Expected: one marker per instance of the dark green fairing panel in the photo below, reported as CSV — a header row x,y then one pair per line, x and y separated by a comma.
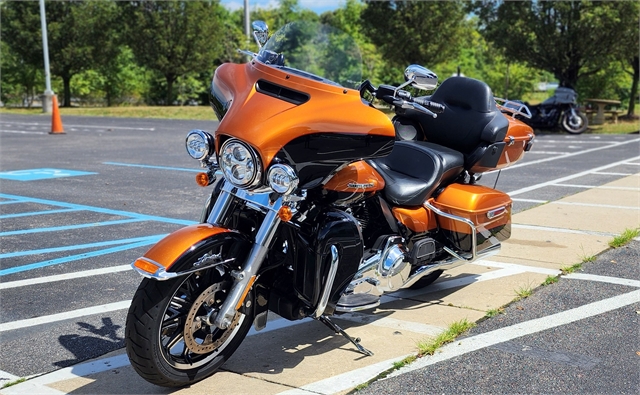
x,y
315,156
311,267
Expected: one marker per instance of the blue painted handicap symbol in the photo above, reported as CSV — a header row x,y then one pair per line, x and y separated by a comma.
x,y
40,174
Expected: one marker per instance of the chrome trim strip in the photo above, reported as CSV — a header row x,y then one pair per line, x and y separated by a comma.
x,y
343,309
474,247
333,269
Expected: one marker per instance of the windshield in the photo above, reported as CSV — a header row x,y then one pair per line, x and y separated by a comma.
x,y
315,51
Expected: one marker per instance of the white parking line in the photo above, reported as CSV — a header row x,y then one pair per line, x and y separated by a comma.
x,y
477,342
567,178
570,155
64,277
76,126
603,279
530,200
562,230
597,187
603,173
21,132
48,319
596,205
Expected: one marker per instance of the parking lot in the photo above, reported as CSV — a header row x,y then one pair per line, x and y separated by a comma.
x,y
77,208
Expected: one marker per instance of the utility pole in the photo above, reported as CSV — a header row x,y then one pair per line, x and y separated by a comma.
x,y
48,93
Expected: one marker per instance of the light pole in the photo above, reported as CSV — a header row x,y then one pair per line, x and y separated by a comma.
x,y
48,93
246,19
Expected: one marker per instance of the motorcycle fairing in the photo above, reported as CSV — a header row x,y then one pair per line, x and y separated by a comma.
x,y
160,258
283,120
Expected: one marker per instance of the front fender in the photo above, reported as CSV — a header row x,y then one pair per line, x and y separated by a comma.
x,y
163,260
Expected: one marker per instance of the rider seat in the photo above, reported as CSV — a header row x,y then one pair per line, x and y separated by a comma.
x,y
415,169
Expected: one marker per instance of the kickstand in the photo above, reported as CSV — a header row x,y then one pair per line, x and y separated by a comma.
x,y
356,342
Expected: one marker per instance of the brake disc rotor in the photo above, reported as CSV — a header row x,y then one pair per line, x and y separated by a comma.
x,y
199,336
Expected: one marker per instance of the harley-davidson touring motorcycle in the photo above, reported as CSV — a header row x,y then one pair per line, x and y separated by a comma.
x,y
320,202
560,109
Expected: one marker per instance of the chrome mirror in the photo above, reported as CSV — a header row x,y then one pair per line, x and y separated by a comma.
x,y
260,32
420,77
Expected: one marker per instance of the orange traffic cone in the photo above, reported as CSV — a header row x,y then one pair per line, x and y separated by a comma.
x,y
56,122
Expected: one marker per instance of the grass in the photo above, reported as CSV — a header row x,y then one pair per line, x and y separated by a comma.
x,y
457,328
494,312
9,384
571,269
166,112
624,238
622,127
550,280
524,292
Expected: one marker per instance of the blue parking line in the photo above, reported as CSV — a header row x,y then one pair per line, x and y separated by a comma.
x,y
72,258
69,227
64,210
141,217
11,202
154,239
152,167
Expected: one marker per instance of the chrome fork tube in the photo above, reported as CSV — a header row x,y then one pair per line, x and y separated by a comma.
x,y
245,277
221,205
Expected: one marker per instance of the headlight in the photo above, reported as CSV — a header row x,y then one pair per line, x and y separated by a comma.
x,y
199,144
240,164
282,179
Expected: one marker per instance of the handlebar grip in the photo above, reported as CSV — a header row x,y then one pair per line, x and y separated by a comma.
x,y
433,106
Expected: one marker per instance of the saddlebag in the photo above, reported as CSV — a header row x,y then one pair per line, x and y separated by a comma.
x,y
467,207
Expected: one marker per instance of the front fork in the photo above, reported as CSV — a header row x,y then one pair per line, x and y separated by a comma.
x,y
246,276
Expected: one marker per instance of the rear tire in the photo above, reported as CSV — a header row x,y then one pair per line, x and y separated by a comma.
x,y
574,124
168,340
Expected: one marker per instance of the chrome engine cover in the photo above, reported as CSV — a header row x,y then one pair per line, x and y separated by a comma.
x,y
386,271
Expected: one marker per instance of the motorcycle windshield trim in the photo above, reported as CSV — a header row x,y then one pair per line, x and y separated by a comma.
x,y
315,51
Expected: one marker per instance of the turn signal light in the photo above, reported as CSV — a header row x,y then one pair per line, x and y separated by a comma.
x,y
285,213
202,179
145,266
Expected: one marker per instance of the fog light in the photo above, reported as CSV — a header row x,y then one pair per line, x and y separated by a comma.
x,y
282,179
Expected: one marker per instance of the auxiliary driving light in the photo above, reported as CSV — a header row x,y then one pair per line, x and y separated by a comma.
x,y
282,179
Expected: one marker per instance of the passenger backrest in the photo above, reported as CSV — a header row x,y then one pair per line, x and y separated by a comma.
x,y
470,120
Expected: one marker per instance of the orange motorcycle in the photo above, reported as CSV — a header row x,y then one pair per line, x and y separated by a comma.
x,y
321,203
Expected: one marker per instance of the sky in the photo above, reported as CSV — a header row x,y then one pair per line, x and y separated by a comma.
x,y
319,6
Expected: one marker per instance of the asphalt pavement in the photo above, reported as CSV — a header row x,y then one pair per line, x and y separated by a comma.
x,y
594,354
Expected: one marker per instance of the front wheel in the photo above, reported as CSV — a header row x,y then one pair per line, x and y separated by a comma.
x,y
574,123
170,338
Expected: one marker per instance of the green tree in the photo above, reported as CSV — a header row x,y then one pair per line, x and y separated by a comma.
x,y
570,39
74,28
175,37
406,32
287,11
348,19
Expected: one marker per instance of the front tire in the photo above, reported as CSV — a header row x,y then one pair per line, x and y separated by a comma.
x,y
169,339
574,124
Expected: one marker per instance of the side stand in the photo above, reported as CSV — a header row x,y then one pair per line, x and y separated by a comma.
x,y
356,342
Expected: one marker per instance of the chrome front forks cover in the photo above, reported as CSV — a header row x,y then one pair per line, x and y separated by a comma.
x,y
245,277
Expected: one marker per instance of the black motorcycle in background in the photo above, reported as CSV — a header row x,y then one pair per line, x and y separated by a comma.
x,y
561,108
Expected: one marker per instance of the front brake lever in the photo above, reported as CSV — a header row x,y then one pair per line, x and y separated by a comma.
x,y
413,106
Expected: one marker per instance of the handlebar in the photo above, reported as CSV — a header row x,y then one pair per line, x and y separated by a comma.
x,y
402,99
